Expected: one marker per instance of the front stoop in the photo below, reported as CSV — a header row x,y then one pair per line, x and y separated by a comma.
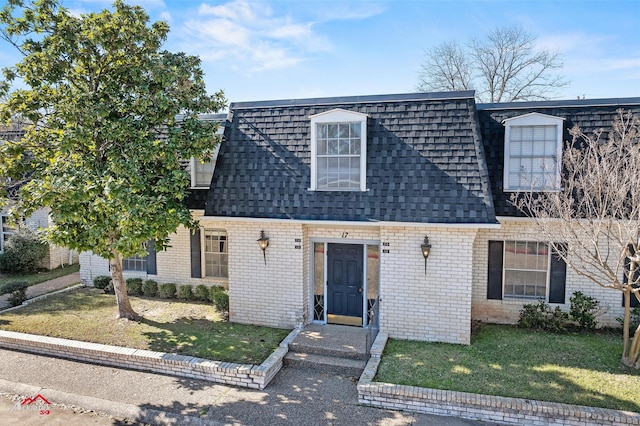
x,y
331,348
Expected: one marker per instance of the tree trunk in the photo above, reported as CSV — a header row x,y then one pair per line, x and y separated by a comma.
x,y
122,298
625,324
631,352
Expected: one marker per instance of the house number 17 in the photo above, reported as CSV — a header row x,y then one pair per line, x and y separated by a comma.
x,y
345,234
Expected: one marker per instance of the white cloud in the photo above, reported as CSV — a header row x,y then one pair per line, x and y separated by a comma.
x,y
166,16
252,35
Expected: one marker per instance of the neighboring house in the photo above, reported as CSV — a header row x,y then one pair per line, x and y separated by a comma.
x,y
346,190
55,256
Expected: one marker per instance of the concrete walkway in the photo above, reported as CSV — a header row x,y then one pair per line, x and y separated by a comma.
x,y
82,394
45,287
294,397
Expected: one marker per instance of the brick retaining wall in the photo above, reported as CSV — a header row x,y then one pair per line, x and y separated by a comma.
x,y
243,375
475,406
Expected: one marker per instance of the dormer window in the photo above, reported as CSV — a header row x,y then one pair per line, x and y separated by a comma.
x,y
338,151
202,172
533,152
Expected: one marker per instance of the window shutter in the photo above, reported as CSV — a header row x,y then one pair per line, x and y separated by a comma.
x,y
151,259
494,276
196,265
557,277
627,269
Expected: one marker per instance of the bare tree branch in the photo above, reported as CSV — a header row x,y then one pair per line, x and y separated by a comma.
x,y
597,212
505,66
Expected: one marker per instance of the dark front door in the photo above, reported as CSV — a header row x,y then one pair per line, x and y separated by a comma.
x,y
344,284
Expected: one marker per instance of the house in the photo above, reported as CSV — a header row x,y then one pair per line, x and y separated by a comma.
x,y
55,256
385,210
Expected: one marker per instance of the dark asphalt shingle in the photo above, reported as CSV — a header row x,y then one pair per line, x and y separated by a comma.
x,y
424,162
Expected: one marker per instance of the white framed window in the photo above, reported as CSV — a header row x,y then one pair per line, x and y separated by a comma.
x,y
135,263
338,151
526,270
202,172
5,231
533,152
216,254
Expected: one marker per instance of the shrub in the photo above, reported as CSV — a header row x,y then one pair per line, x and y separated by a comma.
x,y
540,316
134,286
167,291
221,302
150,288
11,287
101,282
201,293
557,321
109,288
18,292
584,310
23,253
213,291
185,292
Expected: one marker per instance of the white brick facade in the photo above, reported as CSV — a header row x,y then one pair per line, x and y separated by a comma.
x,y
435,306
507,311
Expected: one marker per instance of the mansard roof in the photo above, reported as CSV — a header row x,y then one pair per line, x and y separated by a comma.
x,y
425,162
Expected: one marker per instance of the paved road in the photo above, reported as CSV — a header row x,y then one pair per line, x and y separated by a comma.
x,y
294,397
13,413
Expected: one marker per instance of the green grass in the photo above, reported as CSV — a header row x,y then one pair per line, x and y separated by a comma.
x,y
578,368
195,329
40,277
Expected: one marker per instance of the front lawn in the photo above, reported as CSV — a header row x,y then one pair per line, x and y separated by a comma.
x,y
195,329
39,277
581,369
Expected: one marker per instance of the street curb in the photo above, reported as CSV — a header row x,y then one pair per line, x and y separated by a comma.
x,y
118,410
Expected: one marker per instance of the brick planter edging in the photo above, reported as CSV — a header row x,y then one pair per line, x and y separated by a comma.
x,y
243,375
476,406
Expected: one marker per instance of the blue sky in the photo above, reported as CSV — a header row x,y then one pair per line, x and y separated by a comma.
x,y
280,49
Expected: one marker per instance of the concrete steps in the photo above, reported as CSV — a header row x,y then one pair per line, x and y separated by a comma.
x,y
330,364
331,348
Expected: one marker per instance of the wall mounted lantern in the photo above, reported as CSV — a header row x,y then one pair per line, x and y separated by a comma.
x,y
263,242
426,249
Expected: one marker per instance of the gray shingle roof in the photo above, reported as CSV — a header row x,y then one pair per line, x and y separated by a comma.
x,y
424,162
589,115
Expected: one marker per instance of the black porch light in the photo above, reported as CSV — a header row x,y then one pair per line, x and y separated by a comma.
x,y
263,242
426,249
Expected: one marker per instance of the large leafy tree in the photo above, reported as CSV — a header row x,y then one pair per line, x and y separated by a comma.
x,y
597,213
504,66
108,115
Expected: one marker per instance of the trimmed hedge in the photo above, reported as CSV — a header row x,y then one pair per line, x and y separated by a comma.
x,y
101,282
167,291
134,286
150,288
185,292
201,292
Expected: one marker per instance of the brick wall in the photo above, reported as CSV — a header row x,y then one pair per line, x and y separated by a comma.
x,y
478,407
173,264
507,311
243,375
431,307
271,294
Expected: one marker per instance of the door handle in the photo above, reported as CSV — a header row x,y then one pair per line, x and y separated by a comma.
x,y
360,290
